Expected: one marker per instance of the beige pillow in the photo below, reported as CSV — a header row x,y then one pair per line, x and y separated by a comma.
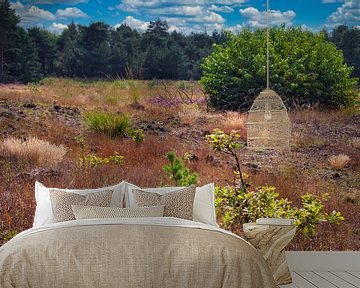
x,y
94,212
177,204
61,202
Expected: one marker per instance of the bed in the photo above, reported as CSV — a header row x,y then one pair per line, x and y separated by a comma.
x,y
131,252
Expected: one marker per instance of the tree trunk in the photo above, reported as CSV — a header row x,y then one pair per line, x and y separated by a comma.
x,y
1,60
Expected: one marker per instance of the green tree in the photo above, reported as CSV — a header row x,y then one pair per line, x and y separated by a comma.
x,y
155,44
70,53
126,54
22,57
96,49
348,40
179,173
305,69
45,43
8,22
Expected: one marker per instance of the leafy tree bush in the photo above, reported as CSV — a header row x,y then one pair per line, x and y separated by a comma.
x,y
242,203
114,125
238,207
179,173
138,136
348,40
305,69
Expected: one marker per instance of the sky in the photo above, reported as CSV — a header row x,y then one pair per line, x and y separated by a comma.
x,y
188,16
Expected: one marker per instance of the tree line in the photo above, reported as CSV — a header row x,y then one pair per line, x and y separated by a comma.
x,y
99,50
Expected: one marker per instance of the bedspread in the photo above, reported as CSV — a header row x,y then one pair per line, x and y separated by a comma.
x,y
145,252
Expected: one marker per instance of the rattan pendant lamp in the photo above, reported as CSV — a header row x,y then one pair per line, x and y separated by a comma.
x,y
268,124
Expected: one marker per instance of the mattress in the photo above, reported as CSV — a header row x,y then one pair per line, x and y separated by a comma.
x,y
137,252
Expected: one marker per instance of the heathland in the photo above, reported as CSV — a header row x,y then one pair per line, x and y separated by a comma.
x,y
96,133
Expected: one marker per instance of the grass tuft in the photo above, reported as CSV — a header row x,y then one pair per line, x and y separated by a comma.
x,y
34,150
339,161
114,125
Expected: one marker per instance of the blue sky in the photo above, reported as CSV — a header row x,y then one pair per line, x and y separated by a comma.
x,y
189,15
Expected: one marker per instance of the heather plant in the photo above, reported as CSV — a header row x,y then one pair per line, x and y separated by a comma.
x,y
179,173
114,125
37,151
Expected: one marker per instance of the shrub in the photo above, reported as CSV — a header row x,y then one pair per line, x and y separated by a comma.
x,y
178,172
339,161
114,125
93,160
305,70
240,204
237,207
34,150
138,136
228,144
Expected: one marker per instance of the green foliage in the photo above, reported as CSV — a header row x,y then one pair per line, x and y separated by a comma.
x,y
305,69
179,173
134,91
138,136
8,22
240,204
45,43
238,207
228,144
348,40
92,160
114,125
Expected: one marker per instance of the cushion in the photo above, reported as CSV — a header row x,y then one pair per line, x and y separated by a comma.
x,y
61,202
177,204
93,212
204,202
43,212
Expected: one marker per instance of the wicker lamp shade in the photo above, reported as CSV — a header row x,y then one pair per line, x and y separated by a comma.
x,y
268,125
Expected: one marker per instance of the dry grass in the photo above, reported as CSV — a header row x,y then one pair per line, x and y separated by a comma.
x,y
190,113
339,161
235,121
34,150
355,142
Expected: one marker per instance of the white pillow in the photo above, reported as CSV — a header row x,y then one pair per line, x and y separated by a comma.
x,y
43,212
95,212
204,202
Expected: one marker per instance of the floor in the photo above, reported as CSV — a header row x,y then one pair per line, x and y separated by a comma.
x,y
324,269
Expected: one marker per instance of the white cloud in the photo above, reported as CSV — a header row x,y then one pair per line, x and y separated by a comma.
x,y
235,29
212,17
17,5
55,1
177,10
57,28
256,18
223,9
331,1
134,23
231,2
185,15
72,12
348,14
30,14
135,5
